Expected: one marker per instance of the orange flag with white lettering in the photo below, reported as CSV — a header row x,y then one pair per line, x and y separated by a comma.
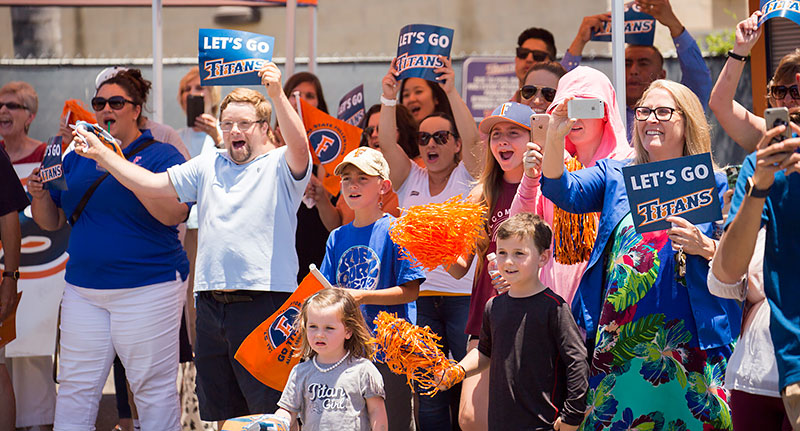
x,y
330,140
268,352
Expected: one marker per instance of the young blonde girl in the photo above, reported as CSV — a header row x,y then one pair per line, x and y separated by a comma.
x,y
336,387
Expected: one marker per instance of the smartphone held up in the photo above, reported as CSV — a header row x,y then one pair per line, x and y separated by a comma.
x,y
195,107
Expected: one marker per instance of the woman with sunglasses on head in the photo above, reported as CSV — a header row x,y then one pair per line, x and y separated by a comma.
x,y
658,340
743,126
539,86
588,141
124,291
448,169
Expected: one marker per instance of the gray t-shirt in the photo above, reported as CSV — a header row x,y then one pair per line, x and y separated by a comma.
x,y
336,400
246,220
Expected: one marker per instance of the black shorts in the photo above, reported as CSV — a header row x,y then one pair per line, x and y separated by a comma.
x,y
225,389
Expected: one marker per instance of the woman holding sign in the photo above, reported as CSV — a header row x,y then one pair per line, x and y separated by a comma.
x,y
124,290
660,340
782,90
449,169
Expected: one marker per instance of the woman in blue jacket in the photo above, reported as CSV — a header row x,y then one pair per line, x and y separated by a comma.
x,y
661,340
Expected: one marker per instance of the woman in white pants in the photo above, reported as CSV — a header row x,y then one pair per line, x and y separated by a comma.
x,y
124,277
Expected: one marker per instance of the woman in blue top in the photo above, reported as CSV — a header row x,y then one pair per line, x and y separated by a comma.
x,y
661,340
125,274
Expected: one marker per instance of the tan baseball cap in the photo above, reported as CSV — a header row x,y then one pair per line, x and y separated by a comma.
x,y
368,160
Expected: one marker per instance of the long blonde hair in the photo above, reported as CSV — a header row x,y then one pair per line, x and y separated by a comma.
x,y
349,312
697,133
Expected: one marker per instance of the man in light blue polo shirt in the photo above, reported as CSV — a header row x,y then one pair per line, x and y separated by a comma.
x,y
247,197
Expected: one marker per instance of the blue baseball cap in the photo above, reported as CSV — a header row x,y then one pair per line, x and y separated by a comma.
x,y
514,112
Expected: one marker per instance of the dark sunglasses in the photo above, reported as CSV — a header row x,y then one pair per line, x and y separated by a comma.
x,y
439,137
523,53
367,132
115,102
779,91
529,91
12,106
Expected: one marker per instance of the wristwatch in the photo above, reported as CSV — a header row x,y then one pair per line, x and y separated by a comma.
x,y
750,189
12,274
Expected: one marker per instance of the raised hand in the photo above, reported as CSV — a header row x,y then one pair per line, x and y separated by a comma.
x,y
271,79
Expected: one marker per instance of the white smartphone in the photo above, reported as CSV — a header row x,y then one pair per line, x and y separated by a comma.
x,y
585,108
539,125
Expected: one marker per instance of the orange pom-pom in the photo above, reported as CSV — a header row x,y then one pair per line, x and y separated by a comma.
x,y
415,352
437,234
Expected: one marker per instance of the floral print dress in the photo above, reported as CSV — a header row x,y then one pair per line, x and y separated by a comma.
x,y
648,371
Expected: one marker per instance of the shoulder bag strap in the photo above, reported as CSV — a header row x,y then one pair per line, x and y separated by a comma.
x,y
85,199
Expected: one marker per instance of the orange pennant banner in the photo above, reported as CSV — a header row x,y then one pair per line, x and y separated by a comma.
x,y
268,352
330,140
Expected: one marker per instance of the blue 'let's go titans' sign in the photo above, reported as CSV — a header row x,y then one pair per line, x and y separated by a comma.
x,y
230,57
419,48
640,28
780,8
683,187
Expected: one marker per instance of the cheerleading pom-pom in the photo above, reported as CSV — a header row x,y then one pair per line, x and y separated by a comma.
x,y
415,352
438,234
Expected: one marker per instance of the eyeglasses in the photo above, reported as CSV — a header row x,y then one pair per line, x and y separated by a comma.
x,y
529,92
12,106
663,113
779,91
243,125
115,102
439,137
523,53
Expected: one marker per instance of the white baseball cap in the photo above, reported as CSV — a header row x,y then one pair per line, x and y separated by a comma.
x,y
106,74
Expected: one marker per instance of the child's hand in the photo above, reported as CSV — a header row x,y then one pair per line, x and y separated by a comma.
x,y
561,426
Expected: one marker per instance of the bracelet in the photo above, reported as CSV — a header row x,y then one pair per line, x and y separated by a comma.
x,y
736,56
388,102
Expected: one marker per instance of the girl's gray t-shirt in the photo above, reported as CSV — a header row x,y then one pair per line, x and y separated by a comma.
x,y
336,400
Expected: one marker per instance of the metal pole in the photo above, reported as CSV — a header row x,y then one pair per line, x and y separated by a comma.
x,y
291,11
312,40
618,54
158,54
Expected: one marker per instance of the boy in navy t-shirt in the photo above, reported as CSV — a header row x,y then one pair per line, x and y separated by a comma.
x,y
529,340
362,258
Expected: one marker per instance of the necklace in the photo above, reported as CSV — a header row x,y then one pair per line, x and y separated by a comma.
x,y
325,370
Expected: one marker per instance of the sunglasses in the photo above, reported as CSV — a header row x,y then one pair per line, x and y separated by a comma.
x,y
367,132
779,91
439,137
529,92
12,106
115,102
663,113
523,53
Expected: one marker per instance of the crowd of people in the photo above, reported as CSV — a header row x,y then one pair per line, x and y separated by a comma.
x,y
564,317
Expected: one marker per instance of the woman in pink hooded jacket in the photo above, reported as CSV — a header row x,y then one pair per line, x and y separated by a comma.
x,y
589,141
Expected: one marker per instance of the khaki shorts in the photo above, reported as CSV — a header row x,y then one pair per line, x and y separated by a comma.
x,y
791,402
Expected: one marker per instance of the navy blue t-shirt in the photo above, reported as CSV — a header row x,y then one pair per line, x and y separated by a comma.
x,y
116,243
366,258
781,255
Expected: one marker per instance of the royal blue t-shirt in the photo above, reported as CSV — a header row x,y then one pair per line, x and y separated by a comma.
x,y
781,256
116,243
366,258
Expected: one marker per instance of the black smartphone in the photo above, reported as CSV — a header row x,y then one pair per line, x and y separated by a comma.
x,y
195,106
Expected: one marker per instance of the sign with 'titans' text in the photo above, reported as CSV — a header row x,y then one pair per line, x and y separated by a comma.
x,y
231,57
683,187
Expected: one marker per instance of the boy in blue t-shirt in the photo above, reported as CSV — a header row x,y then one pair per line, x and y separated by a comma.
x,y
361,257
